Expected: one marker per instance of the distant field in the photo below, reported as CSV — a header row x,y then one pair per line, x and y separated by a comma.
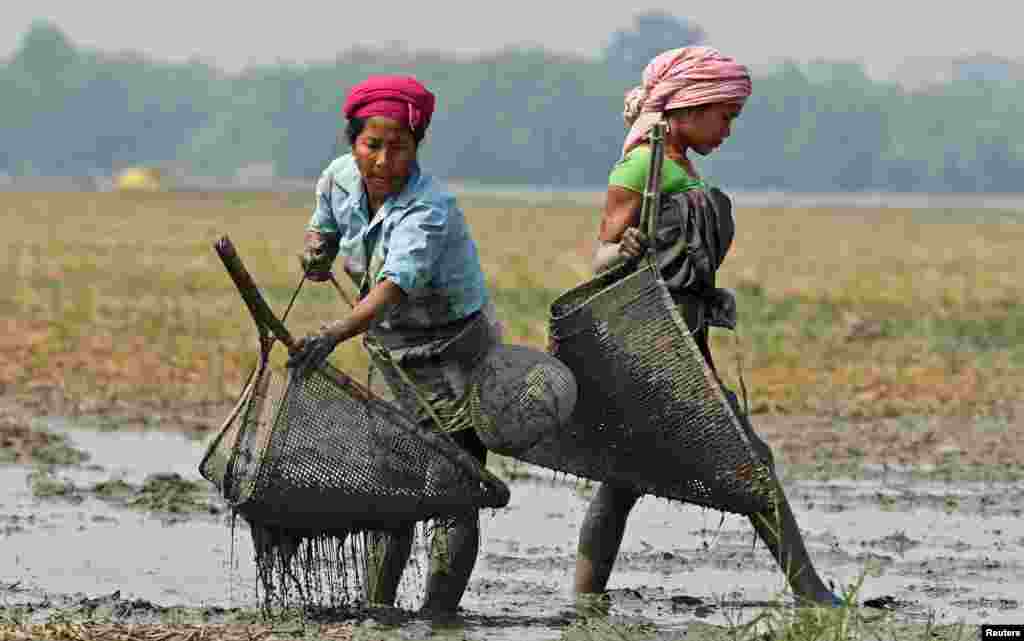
x,y
849,312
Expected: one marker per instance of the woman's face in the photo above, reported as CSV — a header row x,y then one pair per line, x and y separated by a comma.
x,y
705,128
385,151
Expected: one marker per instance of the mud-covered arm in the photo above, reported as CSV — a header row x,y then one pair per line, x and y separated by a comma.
x,y
320,246
309,352
377,304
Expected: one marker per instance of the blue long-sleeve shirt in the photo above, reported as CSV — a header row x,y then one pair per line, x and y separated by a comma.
x,y
419,240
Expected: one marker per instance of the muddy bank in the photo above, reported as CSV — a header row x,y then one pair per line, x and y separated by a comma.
x,y
994,441
21,443
197,420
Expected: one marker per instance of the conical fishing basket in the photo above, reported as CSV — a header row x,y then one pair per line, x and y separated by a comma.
x,y
651,414
321,453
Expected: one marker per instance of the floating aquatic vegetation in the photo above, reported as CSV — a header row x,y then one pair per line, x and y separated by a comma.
x,y
115,489
45,485
171,493
165,493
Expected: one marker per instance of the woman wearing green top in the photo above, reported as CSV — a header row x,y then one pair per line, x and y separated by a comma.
x,y
699,93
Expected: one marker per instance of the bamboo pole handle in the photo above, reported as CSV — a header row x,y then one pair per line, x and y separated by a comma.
x,y
258,307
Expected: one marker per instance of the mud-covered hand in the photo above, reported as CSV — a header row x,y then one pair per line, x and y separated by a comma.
x,y
722,308
633,244
309,352
318,254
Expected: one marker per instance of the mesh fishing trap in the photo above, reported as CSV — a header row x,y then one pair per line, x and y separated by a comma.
x,y
651,414
311,460
321,453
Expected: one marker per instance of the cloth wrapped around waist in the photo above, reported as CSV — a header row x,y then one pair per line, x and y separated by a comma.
x,y
694,232
510,394
435,372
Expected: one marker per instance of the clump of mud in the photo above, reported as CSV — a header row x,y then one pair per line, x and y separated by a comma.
x,y
20,444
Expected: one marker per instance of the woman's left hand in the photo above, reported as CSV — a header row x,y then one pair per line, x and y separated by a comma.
x,y
309,352
634,244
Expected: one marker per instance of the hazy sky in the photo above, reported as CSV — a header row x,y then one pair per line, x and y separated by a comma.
x,y
881,33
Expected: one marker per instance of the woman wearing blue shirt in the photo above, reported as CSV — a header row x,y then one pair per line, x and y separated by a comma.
x,y
423,301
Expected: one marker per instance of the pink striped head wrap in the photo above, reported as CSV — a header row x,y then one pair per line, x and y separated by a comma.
x,y
684,77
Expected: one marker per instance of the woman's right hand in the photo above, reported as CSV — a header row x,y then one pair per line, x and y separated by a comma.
x,y
309,352
633,244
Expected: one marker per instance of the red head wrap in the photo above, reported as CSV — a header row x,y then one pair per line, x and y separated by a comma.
x,y
401,98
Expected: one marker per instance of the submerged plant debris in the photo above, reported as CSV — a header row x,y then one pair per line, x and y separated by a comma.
x,y
171,493
45,485
163,493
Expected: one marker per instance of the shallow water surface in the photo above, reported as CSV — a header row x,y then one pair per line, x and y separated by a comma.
x,y
953,552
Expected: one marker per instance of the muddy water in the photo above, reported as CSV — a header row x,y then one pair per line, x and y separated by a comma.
x,y
83,544
951,552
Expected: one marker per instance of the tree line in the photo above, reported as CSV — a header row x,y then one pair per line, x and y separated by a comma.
x,y
515,116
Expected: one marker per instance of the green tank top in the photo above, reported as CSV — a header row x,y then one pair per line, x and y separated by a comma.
x,y
631,173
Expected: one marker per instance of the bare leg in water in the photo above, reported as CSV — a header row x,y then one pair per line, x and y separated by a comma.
x,y
780,533
605,523
453,551
388,553
600,537
778,529
454,546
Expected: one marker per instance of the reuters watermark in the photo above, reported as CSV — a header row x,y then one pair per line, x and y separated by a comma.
x,y
1002,632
